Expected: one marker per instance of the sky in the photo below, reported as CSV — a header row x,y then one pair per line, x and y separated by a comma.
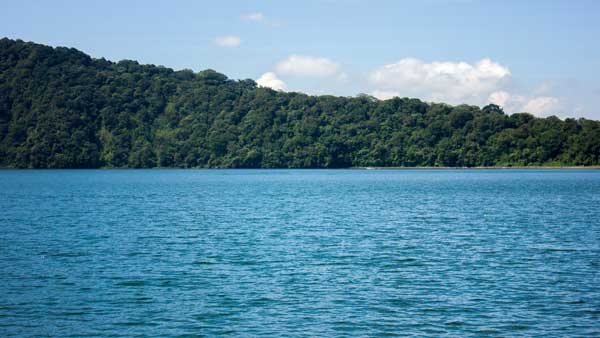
x,y
542,57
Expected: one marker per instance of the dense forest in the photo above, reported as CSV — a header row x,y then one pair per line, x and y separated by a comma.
x,y
60,108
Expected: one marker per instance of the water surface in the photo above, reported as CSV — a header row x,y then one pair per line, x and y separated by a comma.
x,y
300,252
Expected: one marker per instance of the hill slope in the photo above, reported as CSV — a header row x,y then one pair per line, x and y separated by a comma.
x,y
60,108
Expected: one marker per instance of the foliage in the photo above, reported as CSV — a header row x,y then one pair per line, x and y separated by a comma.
x,y
60,108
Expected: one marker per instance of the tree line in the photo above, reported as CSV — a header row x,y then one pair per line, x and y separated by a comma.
x,y
60,108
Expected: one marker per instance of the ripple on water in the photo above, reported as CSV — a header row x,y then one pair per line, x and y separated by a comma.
x,y
299,253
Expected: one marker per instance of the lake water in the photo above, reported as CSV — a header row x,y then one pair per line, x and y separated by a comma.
x,y
300,252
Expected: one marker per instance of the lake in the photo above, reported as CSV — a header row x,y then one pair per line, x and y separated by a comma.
x,y
299,252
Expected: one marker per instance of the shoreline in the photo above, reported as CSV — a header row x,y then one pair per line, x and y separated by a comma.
x,y
480,168
594,167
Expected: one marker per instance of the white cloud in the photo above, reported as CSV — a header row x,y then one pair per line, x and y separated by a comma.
x,y
450,82
477,83
543,105
256,17
537,105
499,98
384,95
228,41
271,80
308,66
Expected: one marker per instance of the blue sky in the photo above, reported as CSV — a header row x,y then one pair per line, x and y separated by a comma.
x,y
539,56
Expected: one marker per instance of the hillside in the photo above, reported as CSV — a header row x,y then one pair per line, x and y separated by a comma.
x,y
60,108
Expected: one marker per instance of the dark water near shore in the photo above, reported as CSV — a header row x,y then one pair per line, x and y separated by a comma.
x,y
300,252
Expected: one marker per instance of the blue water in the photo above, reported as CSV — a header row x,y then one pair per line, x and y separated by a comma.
x,y
300,253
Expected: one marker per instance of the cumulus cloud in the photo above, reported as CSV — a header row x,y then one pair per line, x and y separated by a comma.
x,y
450,82
228,41
537,105
384,95
308,66
270,80
543,105
256,17
477,83
499,98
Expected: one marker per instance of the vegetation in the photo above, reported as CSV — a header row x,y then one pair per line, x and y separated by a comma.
x,y
60,108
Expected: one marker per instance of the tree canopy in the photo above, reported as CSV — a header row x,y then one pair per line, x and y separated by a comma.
x,y
60,108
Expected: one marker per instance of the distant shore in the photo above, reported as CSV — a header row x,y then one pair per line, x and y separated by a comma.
x,y
494,167
353,168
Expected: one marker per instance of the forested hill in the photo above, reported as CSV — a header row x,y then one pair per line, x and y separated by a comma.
x,y
60,108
